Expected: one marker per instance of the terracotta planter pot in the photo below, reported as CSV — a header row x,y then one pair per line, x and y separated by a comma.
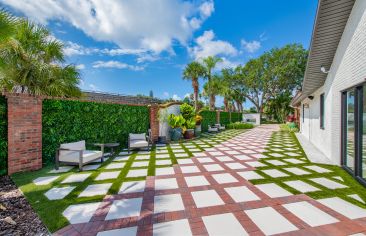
x,y
189,134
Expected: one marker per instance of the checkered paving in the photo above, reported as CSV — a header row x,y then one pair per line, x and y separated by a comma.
x,y
210,194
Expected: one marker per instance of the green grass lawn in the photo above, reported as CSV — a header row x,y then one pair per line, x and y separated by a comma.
x,y
50,211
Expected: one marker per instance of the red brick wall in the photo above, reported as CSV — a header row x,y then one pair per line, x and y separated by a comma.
x,y
154,122
24,133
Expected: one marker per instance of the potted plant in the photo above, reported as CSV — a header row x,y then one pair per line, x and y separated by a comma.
x,y
176,123
163,126
198,127
189,125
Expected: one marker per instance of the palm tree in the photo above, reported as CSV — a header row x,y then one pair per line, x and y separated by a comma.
x,y
31,62
214,88
194,71
210,63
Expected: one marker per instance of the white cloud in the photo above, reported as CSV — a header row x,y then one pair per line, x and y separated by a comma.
x,y
116,65
93,87
80,66
166,94
176,97
207,46
132,24
187,95
226,63
251,46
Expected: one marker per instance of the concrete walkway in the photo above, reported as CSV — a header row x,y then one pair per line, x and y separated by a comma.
x,y
212,196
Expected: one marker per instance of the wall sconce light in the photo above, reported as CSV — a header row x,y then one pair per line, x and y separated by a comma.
x,y
311,97
322,69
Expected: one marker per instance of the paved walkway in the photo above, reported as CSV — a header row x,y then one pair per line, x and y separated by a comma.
x,y
211,195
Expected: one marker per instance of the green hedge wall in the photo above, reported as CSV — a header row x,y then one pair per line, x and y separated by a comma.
x,y
68,121
224,118
3,136
236,117
208,118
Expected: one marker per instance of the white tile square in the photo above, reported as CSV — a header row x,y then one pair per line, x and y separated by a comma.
x,y
216,153
163,162
318,169
108,175
249,175
270,221
275,173
200,154
224,159
301,186
170,228
132,187
235,166
273,190
293,160
310,214
45,180
142,157
232,152
243,157
76,178
328,183
61,169
213,167
160,156
129,231
343,207
91,167
124,208
255,164
194,181
296,171
207,198
184,161
189,169
224,178
117,165
205,160
58,193
163,184
181,155
95,190
167,203
164,171
121,158
140,164
241,194
137,173
276,162
80,213
276,154
223,224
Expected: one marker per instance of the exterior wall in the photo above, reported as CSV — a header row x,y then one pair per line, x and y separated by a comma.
x,y
24,133
348,69
164,127
252,116
154,122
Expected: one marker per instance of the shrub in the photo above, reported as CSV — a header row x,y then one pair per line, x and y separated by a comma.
x,y
187,111
238,125
68,121
176,121
289,127
236,116
224,118
3,136
208,118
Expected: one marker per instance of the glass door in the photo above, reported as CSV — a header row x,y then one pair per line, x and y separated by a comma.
x,y
363,137
349,160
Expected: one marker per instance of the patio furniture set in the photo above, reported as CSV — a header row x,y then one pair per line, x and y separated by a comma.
x,y
75,153
216,128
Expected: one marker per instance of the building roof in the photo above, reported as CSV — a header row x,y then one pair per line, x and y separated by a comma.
x,y
330,21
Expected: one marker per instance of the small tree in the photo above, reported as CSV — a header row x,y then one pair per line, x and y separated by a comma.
x,y
193,72
210,63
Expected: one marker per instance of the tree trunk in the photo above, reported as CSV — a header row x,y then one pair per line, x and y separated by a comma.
x,y
195,92
226,104
212,102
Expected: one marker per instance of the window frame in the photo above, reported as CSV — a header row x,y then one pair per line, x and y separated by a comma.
x,y
322,111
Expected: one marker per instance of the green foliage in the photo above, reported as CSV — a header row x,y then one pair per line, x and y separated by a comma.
x,y
224,118
289,127
236,116
190,124
279,108
208,118
187,111
3,136
238,125
176,121
69,121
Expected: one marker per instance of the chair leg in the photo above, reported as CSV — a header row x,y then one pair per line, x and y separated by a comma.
x,y
80,167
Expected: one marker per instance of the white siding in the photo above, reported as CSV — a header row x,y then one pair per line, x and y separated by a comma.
x,y
348,69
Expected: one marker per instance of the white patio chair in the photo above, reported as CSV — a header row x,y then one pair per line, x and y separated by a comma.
x,y
138,141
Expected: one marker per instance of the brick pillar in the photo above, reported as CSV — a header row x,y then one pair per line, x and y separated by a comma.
x,y
218,117
154,122
24,133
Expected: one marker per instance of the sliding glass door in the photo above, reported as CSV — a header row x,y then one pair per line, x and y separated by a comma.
x,y
350,130
363,137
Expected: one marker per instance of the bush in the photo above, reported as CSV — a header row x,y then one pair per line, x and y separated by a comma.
x,y
236,117
289,127
187,111
208,118
68,121
224,118
238,125
3,136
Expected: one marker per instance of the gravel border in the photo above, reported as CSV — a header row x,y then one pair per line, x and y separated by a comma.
x,y
17,217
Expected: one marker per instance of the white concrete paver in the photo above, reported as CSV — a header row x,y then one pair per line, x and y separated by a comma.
x,y
223,224
273,190
166,203
342,207
176,228
80,213
124,208
241,194
206,198
132,187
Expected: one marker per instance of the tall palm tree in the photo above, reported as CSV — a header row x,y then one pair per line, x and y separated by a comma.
x,y
210,63
31,62
212,88
194,71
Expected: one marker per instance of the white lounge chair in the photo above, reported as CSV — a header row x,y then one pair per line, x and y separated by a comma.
x,y
212,129
138,141
220,127
76,154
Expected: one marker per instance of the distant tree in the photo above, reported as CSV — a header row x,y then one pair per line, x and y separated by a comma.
x,y
31,61
210,63
193,72
214,86
279,107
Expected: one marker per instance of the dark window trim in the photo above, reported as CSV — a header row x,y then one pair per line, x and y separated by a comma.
x,y
303,113
322,104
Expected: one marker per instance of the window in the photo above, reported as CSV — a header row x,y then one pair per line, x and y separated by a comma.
x,y
322,111
303,113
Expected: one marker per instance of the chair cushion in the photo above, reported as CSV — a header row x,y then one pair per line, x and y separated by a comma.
x,y
73,146
138,143
138,136
73,157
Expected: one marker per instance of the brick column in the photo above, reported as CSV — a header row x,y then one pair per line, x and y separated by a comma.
x,y
154,122
24,133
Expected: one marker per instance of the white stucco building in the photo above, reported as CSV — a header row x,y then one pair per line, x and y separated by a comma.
x,y
332,103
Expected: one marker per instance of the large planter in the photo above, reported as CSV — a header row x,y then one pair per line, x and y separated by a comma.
x,y
162,139
198,130
189,134
176,134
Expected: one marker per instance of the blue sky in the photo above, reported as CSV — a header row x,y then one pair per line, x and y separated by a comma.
x,y
134,46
